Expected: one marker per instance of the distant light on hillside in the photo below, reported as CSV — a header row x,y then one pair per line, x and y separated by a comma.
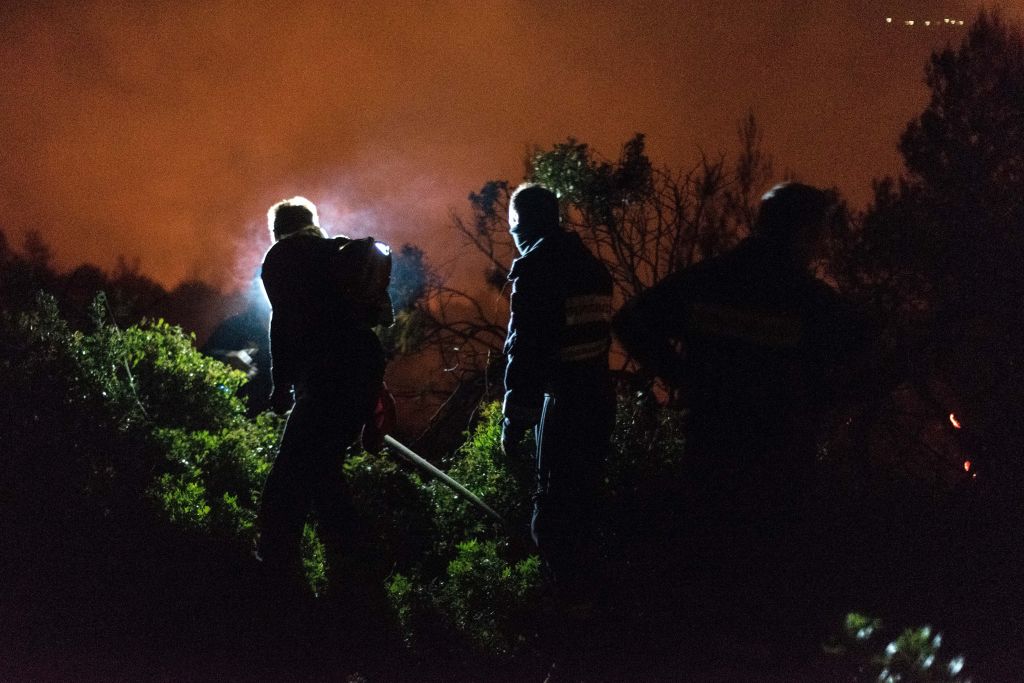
x,y
929,23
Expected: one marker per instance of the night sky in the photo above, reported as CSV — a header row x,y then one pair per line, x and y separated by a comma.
x,y
163,131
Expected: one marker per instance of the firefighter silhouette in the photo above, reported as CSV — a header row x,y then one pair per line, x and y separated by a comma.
x,y
326,295
749,341
557,382
756,349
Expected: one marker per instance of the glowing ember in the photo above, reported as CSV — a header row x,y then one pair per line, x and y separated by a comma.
x,y
953,421
967,465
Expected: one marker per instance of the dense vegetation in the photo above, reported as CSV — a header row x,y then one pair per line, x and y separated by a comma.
x,y
134,477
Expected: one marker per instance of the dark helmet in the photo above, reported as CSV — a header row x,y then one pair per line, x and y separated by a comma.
x,y
791,212
532,214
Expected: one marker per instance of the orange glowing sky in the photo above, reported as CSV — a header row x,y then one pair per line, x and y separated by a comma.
x,y
163,131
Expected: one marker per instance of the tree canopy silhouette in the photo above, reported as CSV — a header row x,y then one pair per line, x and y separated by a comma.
x,y
942,245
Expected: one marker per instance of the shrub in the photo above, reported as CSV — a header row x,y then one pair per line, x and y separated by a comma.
x,y
116,436
225,469
490,598
648,448
481,585
395,507
477,590
482,468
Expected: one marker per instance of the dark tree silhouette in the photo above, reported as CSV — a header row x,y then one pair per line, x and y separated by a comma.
x,y
942,246
131,296
25,271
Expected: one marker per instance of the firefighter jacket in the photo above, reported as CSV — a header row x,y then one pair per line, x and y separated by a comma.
x,y
559,332
750,339
315,333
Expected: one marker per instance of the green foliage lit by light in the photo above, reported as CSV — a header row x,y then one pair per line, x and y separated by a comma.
x,y
481,585
484,599
183,501
568,170
394,505
480,465
314,559
594,186
911,657
227,468
149,427
860,627
491,599
914,656
477,586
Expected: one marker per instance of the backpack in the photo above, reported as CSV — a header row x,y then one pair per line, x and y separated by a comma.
x,y
359,272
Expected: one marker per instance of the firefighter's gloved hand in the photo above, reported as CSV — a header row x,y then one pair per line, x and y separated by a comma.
x,y
512,438
281,400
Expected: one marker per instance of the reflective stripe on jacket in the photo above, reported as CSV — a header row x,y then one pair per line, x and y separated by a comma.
x,y
559,331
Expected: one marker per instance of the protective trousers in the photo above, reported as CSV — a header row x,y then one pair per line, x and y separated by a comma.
x,y
308,476
572,448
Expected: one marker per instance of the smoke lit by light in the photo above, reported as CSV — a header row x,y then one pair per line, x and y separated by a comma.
x,y
401,135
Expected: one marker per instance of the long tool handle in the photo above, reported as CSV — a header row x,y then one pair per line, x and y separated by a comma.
x,y
410,456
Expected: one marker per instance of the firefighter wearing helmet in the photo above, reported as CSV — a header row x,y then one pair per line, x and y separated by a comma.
x,y
747,340
557,383
755,348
